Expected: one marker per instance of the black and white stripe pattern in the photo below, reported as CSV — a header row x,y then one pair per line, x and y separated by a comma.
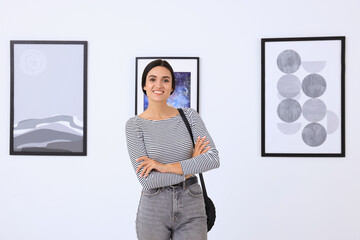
x,y
168,141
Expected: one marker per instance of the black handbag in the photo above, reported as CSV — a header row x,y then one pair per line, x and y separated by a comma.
x,y
209,205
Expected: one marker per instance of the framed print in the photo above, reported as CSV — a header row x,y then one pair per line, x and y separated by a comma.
x,y
303,97
186,92
48,98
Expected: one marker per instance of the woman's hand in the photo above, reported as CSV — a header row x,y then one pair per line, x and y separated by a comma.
x,y
200,146
149,164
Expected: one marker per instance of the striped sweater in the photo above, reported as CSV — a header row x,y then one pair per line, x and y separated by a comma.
x,y
168,141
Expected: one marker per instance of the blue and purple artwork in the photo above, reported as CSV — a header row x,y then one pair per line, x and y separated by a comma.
x,y
181,97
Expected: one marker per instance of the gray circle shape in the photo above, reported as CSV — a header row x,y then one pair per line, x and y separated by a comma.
x,y
314,85
332,122
289,110
314,110
289,86
288,61
314,134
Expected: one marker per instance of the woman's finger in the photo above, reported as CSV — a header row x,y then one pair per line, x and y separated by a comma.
x,y
145,168
201,146
145,161
202,140
198,143
140,166
148,171
205,150
143,158
204,145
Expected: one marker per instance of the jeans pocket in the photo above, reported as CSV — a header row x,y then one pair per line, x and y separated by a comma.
x,y
151,192
195,190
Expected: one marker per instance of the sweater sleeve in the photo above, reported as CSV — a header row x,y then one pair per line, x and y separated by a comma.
x,y
136,149
205,161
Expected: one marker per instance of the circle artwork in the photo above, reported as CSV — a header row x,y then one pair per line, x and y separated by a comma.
x,y
314,134
33,62
314,85
289,86
313,66
289,128
314,110
288,61
289,110
333,122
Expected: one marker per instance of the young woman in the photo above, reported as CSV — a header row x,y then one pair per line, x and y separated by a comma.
x,y
163,157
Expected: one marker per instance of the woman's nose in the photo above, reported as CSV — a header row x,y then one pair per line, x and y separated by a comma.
x,y
158,83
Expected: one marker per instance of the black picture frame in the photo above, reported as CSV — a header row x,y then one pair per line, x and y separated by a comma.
x,y
303,97
48,97
186,69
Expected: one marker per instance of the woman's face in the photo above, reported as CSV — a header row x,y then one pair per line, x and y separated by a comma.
x,y
158,85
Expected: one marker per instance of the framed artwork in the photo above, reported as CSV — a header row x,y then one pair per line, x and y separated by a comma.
x,y
48,98
303,97
186,92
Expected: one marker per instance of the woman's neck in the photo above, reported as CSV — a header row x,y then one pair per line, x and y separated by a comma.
x,y
159,111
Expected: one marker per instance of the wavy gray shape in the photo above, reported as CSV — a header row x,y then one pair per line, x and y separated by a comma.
x,y
32,123
74,146
40,149
44,135
59,127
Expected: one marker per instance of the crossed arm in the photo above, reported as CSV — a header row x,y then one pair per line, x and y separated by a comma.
x,y
147,164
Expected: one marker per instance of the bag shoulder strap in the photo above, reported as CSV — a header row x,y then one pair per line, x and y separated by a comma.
x,y
187,125
192,138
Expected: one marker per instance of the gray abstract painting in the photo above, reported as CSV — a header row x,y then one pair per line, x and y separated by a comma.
x,y
48,103
313,86
303,92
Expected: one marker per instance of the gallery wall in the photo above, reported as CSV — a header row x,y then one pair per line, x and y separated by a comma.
x,y
96,196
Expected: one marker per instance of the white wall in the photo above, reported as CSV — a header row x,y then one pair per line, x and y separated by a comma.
x,y
96,197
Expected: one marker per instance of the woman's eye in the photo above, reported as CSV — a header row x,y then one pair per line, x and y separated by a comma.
x,y
166,80
152,79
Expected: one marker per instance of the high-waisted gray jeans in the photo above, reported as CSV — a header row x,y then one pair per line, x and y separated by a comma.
x,y
176,213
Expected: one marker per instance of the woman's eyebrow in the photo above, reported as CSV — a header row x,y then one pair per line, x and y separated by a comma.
x,y
156,76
